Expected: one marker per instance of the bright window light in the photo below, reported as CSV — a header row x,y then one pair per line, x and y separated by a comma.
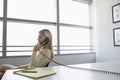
x,y
1,8
73,12
74,40
43,10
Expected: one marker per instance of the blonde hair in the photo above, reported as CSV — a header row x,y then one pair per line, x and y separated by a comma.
x,y
48,35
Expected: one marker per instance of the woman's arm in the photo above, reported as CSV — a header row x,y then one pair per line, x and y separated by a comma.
x,y
35,49
23,66
42,60
29,64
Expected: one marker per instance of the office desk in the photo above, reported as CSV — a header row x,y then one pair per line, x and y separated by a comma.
x,y
64,73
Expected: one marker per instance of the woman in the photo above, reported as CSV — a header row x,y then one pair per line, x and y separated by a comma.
x,y
41,49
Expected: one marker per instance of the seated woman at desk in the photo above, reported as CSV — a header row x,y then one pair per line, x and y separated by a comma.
x,y
41,49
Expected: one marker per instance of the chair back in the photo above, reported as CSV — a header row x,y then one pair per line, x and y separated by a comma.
x,y
47,64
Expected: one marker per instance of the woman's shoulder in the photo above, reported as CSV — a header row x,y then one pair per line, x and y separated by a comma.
x,y
46,52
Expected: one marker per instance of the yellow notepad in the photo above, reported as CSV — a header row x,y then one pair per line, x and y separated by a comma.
x,y
35,73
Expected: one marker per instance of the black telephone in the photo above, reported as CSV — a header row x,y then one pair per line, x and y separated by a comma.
x,y
45,41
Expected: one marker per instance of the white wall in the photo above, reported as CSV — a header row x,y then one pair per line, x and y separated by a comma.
x,y
65,59
105,50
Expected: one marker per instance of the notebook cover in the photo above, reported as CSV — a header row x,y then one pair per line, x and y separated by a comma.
x,y
38,74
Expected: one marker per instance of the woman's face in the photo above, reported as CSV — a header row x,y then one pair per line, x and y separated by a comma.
x,y
41,38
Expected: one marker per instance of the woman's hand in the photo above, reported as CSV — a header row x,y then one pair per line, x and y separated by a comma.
x,y
36,47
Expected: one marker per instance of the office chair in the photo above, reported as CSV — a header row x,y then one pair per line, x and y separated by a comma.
x,y
47,64
1,75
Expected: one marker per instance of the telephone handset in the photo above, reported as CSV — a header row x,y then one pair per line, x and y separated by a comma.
x,y
45,41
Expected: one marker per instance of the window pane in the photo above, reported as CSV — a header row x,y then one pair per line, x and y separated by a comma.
x,y
74,12
74,40
1,28
25,36
44,10
1,8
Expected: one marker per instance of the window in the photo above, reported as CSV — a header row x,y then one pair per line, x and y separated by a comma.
x,y
25,18
1,28
73,12
42,10
74,40
22,37
1,8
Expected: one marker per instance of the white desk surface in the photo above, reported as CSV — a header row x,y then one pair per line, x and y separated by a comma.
x,y
111,66
102,72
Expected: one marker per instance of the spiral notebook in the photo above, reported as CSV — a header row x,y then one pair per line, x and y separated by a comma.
x,y
34,73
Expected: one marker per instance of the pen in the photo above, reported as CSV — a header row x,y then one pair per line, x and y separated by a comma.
x,y
25,71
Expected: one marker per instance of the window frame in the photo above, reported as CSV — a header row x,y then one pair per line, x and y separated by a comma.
x,y
1,38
